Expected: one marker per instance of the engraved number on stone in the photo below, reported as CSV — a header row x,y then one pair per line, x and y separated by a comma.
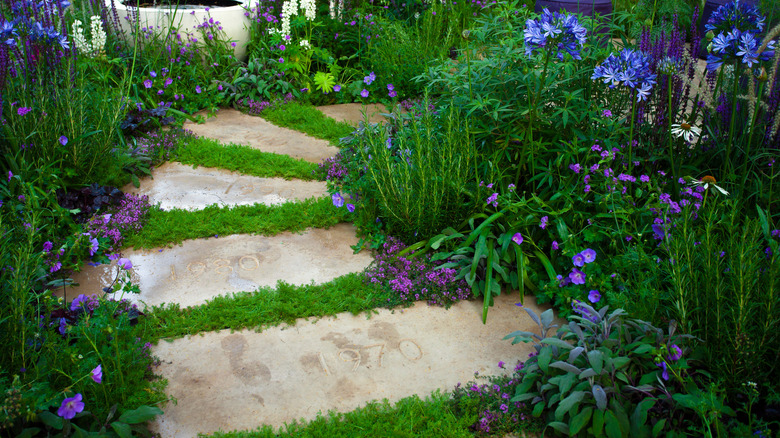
x,y
223,266
247,189
408,342
324,365
196,267
246,263
173,273
354,358
381,351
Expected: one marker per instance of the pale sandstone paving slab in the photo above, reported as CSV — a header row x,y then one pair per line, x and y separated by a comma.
x,y
232,126
175,185
242,380
201,269
353,113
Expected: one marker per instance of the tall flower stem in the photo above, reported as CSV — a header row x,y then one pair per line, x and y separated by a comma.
x,y
631,136
669,130
535,104
729,145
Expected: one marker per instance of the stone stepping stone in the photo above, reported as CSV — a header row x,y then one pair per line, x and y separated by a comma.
x,y
352,113
232,126
242,380
176,185
201,269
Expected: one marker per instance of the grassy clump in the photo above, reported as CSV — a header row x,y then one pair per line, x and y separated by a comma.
x,y
309,120
409,417
267,306
211,153
174,226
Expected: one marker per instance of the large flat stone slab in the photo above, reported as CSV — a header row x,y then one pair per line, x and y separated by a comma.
x,y
241,380
232,126
201,269
354,113
175,185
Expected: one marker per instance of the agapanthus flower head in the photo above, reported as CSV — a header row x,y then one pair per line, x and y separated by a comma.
x,y
736,14
629,68
555,31
737,45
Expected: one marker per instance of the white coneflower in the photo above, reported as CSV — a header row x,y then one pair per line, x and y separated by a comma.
x,y
686,131
706,182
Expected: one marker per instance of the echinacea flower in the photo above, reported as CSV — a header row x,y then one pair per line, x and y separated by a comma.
x,y
70,407
685,130
706,182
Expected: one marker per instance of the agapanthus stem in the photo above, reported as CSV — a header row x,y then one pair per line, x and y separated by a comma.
x,y
737,72
669,131
631,136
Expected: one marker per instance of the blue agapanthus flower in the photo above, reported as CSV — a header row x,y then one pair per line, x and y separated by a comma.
x,y
737,26
562,31
630,68
736,15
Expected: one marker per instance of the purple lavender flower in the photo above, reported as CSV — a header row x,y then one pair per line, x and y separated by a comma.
x,y
576,276
70,407
594,296
561,32
47,245
517,238
492,199
22,111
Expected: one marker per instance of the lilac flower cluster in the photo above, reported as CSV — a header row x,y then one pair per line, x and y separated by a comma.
x,y
630,68
415,279
555,30
257,107
497,413
129,216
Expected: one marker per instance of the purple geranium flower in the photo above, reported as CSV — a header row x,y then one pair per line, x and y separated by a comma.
x,y
576,276
351,208
337,88
70,407
675,353
338,200
543,222
517,238
125,263
364,93
63,140
594,296
97,374
369,79
94,245
197,89
589,255
578,260
77,302
148,83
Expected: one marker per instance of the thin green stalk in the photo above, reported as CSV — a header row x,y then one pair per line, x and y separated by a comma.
x,y
737,72
752,128
669,132
631,136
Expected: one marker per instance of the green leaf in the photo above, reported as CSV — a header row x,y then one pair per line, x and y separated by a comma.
x,y
612,425
51,420
122,429
140,415
639,417
560,427
557,342
567,381
538,409
598,423
565,366
568,403
659,427
544,358
580,420
488,296
601,397
596,360
547,318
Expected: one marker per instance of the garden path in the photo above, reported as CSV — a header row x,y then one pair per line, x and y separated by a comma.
x,y
242,380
